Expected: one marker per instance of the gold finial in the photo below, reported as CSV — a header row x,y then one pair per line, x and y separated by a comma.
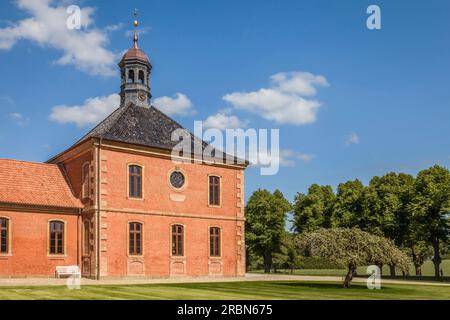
x,y
136,22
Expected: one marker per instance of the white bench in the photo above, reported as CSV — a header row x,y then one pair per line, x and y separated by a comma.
x,y
67,271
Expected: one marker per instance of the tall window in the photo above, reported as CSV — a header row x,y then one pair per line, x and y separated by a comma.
x,y
56,237
87,230
214,191
135,188
86,186
214,242
131,78
4,239
135,238
141,79
177,240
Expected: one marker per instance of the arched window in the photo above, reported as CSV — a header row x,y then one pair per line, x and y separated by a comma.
x,y
86,184
177,240
86,237
131,78
135,246
214,242
214,191
56,237
141,77
135,181
4,235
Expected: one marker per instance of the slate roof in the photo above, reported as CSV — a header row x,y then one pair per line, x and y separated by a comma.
x,y
141,126
35,184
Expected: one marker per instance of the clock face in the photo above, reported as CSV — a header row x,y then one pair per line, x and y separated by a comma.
x,y
142,96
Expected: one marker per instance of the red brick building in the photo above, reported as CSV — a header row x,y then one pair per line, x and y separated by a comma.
x,y
115,203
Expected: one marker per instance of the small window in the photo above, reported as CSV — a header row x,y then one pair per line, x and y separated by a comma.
x,y
214,191
4,232
86,184
86,237
177,240
214,242
56,237
177,179
141,77
131,78
135,246
135,183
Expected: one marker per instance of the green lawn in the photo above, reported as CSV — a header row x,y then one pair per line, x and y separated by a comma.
x,y
230,291
427,270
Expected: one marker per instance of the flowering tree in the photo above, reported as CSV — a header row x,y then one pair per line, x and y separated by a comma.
x,y
351,248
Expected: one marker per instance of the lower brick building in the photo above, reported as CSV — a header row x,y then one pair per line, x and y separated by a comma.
x,y
117,204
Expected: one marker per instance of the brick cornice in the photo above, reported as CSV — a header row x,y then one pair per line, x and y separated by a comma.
x,y
173,214
37,209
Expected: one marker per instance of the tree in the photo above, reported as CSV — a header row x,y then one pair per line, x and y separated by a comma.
x,y
420,251
350,248
313,210
287,257
430,209
265,221
348,205
385,203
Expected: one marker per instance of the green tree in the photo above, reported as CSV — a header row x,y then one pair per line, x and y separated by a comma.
x,y
385,211
350,248
287,257
313,210
420,251
430,209
348,208
265,222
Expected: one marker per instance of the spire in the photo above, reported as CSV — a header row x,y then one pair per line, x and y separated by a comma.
x,y
135,41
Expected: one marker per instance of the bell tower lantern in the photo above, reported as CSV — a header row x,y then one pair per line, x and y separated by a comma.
x,y
135,69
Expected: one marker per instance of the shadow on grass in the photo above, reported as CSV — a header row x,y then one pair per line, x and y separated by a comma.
x,y
320,285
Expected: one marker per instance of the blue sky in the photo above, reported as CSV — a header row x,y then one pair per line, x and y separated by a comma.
x,y
384,94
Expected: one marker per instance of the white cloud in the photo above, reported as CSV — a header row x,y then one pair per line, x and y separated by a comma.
x,y
19,119
179,105
288,157
352,139
91,112
94,110
223,120
303,83
46,26
284,102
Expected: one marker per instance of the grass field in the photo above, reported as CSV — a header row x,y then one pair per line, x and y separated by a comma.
x,y
229,291
427,270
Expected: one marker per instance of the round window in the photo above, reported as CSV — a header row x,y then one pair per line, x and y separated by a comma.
x,y
177,179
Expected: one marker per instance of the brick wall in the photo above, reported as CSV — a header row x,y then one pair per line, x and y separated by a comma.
x,y
29,247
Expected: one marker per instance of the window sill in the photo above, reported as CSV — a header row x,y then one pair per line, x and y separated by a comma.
x,y
56,256
4,256
136,199
214,206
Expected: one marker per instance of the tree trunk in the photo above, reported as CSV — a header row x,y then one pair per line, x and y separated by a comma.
x,y
437,258
267,262
381,268
418,268
349,276
392,270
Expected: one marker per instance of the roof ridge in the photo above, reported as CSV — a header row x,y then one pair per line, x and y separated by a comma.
x,y
28,162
